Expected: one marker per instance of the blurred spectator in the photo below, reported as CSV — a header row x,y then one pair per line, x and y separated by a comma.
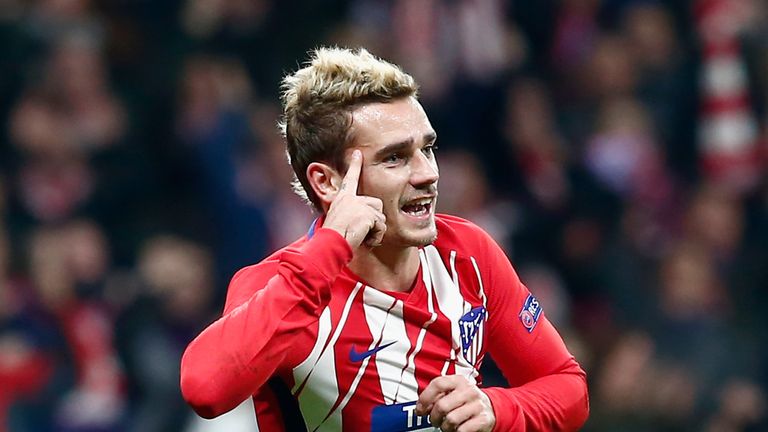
x,y
624,156
76,334
77,81
267,178
742,406
153,331
576,28
214,123
205,17
471,196
59,126
666,82
533,139
54,180
48,20
613,63
715,221
88,256
24,367
440,42
674,371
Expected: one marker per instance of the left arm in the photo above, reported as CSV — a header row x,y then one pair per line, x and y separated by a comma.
x,y
556,396
548,388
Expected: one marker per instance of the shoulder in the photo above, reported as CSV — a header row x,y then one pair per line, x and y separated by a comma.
x,y
467,241
457,233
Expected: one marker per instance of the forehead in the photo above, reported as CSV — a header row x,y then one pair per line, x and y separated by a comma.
x,y
380,123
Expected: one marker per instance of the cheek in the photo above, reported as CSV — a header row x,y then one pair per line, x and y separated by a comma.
x,y
379,184
391,201
391,206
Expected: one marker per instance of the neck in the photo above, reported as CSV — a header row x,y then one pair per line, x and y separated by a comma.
x,y
387,268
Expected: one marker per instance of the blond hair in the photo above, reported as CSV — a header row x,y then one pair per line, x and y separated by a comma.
x,y
318,101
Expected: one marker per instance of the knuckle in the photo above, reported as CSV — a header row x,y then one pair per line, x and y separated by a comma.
x,y
486,420
437,383
450,420
478,406
442,407
474,391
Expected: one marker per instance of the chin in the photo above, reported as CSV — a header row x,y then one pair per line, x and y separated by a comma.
x,y
422,237
409,232
425,241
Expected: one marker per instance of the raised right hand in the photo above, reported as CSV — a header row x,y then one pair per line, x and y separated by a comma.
x,y
358,218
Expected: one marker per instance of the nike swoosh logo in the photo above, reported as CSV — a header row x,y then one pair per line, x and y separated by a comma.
x,y
355,356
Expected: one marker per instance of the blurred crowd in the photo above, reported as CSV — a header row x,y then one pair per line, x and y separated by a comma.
x,y
615,148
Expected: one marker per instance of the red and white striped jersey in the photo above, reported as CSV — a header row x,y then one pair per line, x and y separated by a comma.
x,y
356,357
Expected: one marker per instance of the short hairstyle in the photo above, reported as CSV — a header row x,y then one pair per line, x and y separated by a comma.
x,y
318,101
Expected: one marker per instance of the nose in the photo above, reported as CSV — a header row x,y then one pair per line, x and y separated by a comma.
x,y
424,171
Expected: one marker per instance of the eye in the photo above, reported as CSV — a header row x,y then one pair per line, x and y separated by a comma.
x,y
429,149
394,158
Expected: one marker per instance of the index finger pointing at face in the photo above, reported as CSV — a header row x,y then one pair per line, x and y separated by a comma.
x,y
352,177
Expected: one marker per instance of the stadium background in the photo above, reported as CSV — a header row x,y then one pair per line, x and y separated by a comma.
x,y
615,148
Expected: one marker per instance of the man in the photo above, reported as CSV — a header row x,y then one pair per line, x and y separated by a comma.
x,y
379,318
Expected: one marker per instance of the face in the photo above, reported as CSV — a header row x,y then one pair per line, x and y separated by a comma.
x,y
399,167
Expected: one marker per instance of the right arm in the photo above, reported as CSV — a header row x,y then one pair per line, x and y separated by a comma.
x,y
239,352
269,304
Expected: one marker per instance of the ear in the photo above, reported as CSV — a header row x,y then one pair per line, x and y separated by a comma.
x,y
325,182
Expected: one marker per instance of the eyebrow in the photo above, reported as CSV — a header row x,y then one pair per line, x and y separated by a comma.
x,y
403,145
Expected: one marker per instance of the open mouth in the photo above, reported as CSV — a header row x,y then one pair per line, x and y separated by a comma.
x,y
418,208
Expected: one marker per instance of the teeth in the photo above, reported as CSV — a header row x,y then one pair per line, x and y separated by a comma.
x,y
416,209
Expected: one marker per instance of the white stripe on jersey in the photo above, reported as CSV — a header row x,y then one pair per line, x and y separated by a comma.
x,y
301,372
451,304
427,278
411,369
447,363
479,282
471,355
385,318
363,366
319,394
466,307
